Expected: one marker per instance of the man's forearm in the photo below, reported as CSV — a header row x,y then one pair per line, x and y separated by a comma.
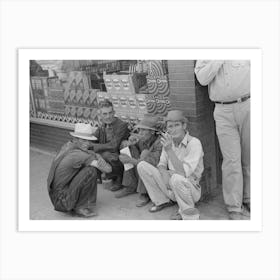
x,y
206,71
178,165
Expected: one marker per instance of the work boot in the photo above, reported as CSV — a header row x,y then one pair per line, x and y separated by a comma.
x,y
237,216
116,187
176,216
125,192
85,212
143,200
247,206
190,214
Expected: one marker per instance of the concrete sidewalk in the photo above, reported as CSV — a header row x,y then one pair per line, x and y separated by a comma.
x,y
108,207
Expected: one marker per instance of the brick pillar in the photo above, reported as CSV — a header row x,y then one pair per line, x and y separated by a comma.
x,y
188,95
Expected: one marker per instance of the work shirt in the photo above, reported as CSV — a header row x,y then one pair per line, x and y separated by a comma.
x,y
153,145
227,80
190,153
118,132
67,164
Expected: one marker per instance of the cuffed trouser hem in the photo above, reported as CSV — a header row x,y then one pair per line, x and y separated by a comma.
x,y
234,209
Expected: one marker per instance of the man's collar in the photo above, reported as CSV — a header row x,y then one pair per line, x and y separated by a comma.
x,y
111,124
186,139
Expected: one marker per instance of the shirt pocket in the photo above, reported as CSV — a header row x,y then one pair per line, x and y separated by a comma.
x,y
239,63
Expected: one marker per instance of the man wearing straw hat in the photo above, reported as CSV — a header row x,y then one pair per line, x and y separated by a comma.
x,y
144,146
72,180
179,170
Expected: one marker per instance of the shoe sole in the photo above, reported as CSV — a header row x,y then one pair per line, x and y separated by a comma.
x,y
141,204
116,196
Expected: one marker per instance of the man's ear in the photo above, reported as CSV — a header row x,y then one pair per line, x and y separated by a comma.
x,y
185,126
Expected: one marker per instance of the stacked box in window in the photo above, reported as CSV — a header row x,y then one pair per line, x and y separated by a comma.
x,y
103,95
119,83
40,93
56,103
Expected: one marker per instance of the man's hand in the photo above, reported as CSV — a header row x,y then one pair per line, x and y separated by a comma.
x,y
125,143
133,139
166,141
144,153
125,159
165,174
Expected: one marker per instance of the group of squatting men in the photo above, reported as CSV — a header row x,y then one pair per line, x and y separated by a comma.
x,y
165,165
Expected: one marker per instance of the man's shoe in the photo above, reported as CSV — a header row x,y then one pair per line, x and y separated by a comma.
x,y
190,214
85,212
143,200
237,216
157,208
176,216
247,206
125,192
115,188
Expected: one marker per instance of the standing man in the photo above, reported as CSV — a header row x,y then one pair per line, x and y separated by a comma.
x,y
144,146
72,178
110,135
229,87
179,170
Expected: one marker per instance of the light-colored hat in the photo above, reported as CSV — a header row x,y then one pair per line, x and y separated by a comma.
x,y
148,122
83,131
175,116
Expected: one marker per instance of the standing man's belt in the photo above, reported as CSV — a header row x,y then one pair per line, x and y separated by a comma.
x,y
239,100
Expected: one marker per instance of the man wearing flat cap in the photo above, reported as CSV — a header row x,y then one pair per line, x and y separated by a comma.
x,y
72,180
176,178
144,146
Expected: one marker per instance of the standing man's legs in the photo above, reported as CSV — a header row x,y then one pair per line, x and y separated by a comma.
x,y
243,114
229,139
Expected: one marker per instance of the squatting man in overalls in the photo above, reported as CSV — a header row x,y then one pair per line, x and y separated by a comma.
x,y
72,180
176,178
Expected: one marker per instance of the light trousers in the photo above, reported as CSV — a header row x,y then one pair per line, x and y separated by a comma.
x,y
233,131
179,188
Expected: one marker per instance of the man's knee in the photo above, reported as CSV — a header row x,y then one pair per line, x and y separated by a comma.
x,y
143,167
177,181
90,171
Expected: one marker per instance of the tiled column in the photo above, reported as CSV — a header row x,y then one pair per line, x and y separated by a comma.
x,y
188,95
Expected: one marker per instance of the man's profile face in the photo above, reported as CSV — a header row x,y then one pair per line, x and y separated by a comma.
x,y
83,143
145,133
107,115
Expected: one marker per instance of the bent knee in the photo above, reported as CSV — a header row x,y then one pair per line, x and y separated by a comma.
x,y
143,166
177,180
90,171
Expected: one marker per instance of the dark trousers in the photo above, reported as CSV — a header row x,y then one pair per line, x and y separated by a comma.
x,y
131,178
117,167
80,193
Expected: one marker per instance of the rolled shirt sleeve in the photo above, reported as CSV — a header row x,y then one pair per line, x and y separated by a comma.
x,y
163,161
206,70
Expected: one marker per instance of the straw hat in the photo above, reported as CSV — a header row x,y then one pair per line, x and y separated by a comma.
x,y
83,131
148,122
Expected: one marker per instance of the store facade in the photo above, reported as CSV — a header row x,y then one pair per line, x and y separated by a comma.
x,y
70,91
